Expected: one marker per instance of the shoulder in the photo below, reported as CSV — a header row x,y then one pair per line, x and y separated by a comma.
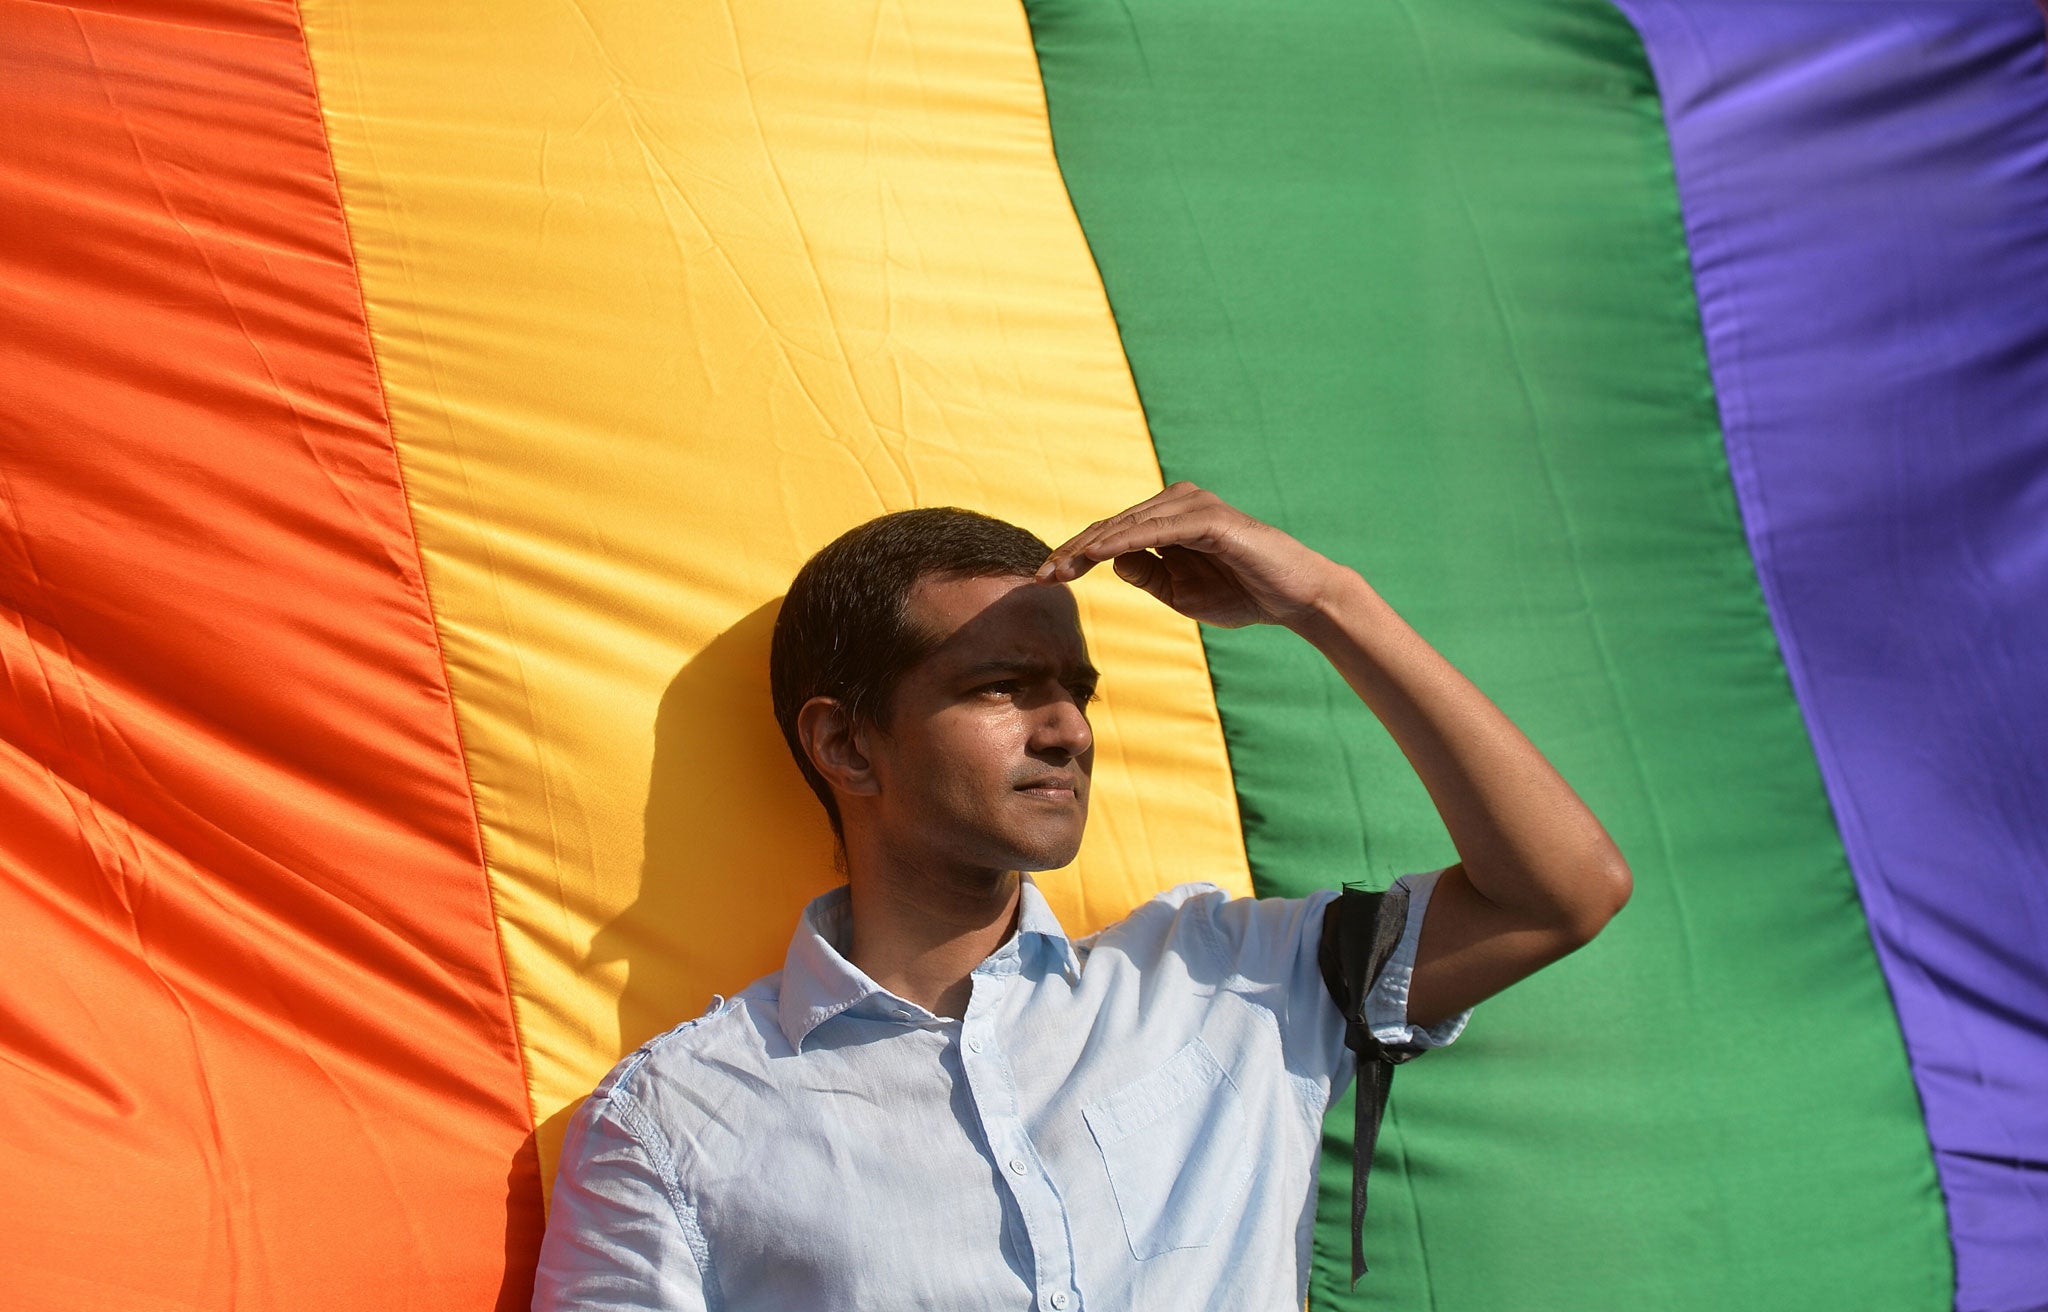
x,y
1259,946
1165,915
695,1066
1204,909
668,1106
1205,918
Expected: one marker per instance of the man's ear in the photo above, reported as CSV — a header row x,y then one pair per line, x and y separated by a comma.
x,y
836,747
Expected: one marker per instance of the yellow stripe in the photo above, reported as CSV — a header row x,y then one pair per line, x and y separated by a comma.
x,y
665,297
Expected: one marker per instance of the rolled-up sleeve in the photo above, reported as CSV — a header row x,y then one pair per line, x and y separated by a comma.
x,y
620,1234
1386,1003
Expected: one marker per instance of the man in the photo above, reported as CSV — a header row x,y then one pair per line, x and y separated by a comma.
x,y
941,1101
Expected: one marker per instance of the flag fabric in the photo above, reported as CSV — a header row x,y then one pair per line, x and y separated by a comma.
x,y
411,415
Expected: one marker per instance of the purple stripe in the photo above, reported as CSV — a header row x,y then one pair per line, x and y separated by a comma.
x,y
1865,189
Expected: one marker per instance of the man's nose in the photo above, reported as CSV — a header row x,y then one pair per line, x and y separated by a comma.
x,y
1063,728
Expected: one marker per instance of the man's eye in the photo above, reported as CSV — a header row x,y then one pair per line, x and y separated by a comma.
x,y
1001,687
1085,693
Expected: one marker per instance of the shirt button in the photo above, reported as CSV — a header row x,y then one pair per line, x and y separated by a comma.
x,y
1016,1166
974,1045
901,1014
1058,1299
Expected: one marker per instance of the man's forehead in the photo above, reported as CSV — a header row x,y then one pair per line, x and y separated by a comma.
x,y
980,619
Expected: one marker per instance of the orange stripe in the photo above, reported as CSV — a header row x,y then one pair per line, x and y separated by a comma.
x,y
255,1045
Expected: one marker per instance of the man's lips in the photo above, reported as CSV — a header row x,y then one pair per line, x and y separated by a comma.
x,y
1058,787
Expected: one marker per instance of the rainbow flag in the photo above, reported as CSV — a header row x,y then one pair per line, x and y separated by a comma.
x,y
411,413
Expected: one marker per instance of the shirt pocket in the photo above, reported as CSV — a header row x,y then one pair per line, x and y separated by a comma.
x,y
1178,1149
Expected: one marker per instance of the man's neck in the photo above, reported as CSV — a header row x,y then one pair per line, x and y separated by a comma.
x,y
920,934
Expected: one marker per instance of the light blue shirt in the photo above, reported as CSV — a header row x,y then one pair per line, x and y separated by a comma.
x,y
1129,1121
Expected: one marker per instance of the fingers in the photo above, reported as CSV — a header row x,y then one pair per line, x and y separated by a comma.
x,y
1194,530
1124,532
1069,549
1147,571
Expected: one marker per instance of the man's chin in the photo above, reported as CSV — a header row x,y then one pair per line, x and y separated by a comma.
x,y
1033,843
1049,852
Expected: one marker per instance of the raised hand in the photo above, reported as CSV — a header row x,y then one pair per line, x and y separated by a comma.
x,y
1205,558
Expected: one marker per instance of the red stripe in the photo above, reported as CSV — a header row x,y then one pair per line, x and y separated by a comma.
x,y
255,1041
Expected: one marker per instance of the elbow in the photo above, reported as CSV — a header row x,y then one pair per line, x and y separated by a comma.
x,y
1604,890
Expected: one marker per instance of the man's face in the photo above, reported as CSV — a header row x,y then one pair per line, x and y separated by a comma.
x,y
985,759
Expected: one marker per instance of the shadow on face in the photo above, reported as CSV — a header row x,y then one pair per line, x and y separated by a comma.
x,y
985,759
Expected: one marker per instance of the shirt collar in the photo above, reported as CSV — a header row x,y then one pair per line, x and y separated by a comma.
x,y
818,982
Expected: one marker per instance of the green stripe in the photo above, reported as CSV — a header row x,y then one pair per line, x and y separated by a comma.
x,y
1411,283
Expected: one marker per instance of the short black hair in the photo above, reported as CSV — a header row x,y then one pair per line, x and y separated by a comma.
x,y
843,631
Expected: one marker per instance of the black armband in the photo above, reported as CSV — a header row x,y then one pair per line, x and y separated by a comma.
x,y
1360,931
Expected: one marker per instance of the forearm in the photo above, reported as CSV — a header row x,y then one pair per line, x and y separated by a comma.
x,y
1536,877
1527,844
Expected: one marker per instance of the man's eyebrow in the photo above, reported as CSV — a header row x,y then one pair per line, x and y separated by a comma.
x,y
1025,665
